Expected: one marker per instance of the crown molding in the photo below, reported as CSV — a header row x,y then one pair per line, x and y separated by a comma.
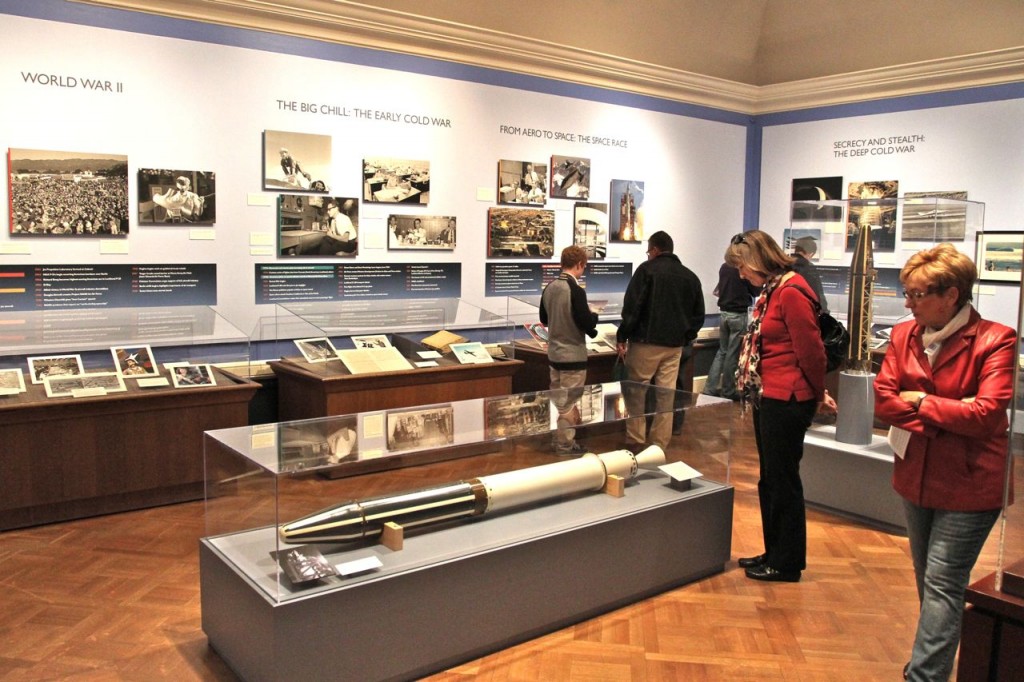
x,y
350,23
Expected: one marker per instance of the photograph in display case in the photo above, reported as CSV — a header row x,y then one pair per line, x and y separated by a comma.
x,y
304,564
538,332
317,227
791,236
999,256
591,229
427,232
626,220
98,382
934,216
472,353
371,341
520,233
67,194
872,207
392,181
314,443
41,367
177,196
135,361
528,414
522,182
808,195
191,376
570,177
431,427
12,382
296,161
319,349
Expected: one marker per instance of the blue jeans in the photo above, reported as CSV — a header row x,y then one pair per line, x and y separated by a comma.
x,y
944,545
722,375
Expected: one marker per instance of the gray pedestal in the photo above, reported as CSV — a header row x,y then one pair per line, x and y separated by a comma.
x,y
479,596
853,480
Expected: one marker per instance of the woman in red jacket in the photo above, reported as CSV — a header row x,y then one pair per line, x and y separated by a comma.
x,y
781,373
945,385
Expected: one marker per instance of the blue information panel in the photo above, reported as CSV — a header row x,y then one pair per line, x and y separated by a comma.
x,y
291,282
509,279
55,287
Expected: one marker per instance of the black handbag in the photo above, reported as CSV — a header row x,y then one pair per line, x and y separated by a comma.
x,y
834,336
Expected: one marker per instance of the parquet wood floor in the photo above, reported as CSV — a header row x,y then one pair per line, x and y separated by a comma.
x,y
117,598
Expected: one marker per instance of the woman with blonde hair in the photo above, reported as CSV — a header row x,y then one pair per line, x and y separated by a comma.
x,y
945,385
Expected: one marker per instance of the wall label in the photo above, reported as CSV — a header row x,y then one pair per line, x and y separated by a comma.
x,y
324,109
557,135
876,146
67,81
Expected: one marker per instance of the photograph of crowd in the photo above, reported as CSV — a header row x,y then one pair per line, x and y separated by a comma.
x,y
518,415
522,182
414,429
68,194
520,233
591,229
626,220
570,177
63,387
873,207
54,365
809,197
177,196
296,161
393,181
313,226
421,232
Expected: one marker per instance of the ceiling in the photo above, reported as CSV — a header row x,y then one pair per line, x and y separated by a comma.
x,y
752,56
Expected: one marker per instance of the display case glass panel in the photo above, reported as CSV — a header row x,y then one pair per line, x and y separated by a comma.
x,y
523,314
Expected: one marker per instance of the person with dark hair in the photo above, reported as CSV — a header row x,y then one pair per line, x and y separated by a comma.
x,y
734,298
662,311
341,235
804,249
565,312
945,386
781,374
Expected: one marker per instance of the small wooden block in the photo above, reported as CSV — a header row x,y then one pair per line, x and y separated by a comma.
x,y
615,486
393,536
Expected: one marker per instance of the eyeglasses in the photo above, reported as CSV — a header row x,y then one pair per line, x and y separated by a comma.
x,y
918,295
738,239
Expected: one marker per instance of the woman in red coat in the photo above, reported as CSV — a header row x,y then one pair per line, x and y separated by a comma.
x,y
781,373
945,385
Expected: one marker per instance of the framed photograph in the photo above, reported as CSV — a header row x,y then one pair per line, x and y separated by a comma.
x,y
791,236
472,353
522,182
934,216
416,429
296,162
99,382
520,233
392,181
133,361
319,349
528,414
590,229
428,232
626,220
304,564
371,341
43,366
190,376
317,227
67,194
570,177
810,194
314,443
12,382
177,196
999,256
873,207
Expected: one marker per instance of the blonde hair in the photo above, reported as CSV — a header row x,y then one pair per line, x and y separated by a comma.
x,y
943,266
759,252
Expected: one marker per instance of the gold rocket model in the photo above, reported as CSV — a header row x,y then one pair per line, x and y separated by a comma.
x,y
858,319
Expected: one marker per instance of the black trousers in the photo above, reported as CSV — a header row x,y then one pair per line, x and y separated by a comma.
x,y
779,428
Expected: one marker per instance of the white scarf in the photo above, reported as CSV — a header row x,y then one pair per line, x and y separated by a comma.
x,y
932,339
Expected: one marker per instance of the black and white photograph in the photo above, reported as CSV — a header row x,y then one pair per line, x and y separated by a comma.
x,y
873,207
520,233
626,220
792,235
432,427
999,256
68,194
371,341
12,382
817,199
396,181
308,444
135,361
570,177
296,162
427,232
191,376
522,182
317,227
54,365
177,196
319,349
304,564
471,353
590,221
934,216
528,414
66,386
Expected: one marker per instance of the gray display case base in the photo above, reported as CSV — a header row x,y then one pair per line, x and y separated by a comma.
x,y
851,480
403,623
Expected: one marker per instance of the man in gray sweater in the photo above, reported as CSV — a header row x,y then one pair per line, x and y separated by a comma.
x,y
565,312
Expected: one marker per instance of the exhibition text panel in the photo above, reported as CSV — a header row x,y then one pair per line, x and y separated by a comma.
x,y
288,283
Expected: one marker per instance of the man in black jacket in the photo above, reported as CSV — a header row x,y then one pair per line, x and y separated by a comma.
x,y
661,313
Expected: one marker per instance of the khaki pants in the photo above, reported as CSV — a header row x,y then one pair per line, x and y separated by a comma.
x,y
644,362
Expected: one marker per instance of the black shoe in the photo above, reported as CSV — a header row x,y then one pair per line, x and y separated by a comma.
x,y
752,561
906,670
769,574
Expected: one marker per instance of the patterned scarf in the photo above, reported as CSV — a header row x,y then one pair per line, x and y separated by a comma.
x,y
748,377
